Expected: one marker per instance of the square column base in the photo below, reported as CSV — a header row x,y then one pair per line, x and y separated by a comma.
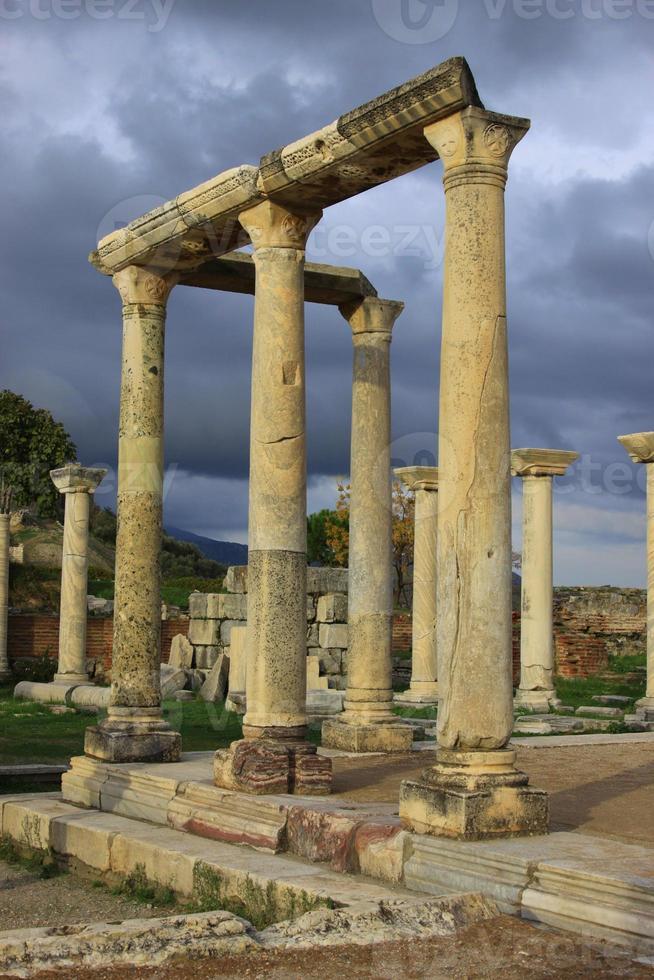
x,y
540,702
416,698
263,766
474,796
133,741
386,737
645,709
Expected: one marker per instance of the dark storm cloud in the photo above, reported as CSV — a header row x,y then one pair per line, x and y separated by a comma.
x,y
104,119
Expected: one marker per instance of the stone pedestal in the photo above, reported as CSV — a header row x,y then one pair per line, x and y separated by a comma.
x,y
368,723
78,484
475,716
135,730
5,671
640,446
537,467
274,756
423,690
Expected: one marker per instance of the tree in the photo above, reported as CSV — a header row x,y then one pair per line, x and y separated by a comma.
x,y
318,551
31,444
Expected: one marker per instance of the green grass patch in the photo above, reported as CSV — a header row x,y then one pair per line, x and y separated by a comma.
x,y
36,862
429,712
628,663
101,588
578,691
174,591
137,887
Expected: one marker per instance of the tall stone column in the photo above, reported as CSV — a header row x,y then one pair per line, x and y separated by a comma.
x,y
5,507
423,690
134,730
368,723
274,755
537,467
78,484
474,790
640,446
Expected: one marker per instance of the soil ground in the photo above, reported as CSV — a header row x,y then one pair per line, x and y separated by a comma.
x,y
504,947
604,790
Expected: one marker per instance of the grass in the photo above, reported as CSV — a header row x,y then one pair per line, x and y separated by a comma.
x,y
578,691
29,732
174,591
428,713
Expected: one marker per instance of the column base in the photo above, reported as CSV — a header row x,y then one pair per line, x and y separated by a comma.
x,y
269,766
71,679
474,796
419,694
133,735
355,736
645,709
540,702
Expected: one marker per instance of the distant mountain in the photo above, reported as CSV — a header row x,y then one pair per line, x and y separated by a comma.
x,y
226,552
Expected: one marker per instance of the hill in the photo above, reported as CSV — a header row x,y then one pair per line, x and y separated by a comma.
x,y
225,552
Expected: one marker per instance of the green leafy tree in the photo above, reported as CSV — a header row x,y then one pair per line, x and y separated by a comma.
x,y
31,444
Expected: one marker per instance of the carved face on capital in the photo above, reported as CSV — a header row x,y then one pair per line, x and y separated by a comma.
x,y
449,143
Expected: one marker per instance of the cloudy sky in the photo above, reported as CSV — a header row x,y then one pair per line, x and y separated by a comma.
x,y
110,107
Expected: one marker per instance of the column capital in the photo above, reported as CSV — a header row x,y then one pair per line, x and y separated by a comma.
x,y
474,142
541,462
75,478
372,315
640,446
271,225
418,477
137,284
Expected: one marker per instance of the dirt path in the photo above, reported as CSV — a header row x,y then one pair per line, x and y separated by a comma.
x,y
504,947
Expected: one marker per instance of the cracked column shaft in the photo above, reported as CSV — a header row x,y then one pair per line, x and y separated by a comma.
x,y
77,483
134,730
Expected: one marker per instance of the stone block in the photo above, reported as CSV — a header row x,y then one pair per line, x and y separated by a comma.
x,y
218,605
215,686
264,766
237,660
197,605
325,580
380,849
235,818
331,661
112,745
599,712
314,681
324,835
313,636
204,632
172,869
183,696
332,608
311,609
206,657
337,734
611,700
226,630
172,679
236,579
333,635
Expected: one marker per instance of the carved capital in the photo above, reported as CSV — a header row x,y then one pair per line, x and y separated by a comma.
x,y
541,462
75,478
136,284
270,225
640,446
372,315
475,141
418,477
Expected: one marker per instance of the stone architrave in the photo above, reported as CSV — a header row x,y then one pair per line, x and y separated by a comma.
x,y
135,730
423,481
368,723
640,446
274,755
537,468
78,484
474,790
5,670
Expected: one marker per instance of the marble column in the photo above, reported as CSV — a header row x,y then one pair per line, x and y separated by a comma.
x,y
537,468
274,755
368,723
5,670
640,446
423,690
135,730
474,790
78,484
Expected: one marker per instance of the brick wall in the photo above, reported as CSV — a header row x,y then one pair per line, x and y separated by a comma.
x,y
402,627
32,635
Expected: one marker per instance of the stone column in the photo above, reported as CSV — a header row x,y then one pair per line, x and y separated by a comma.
x,y
78,484
5,670
640,446
274,755
368,723
474,790
537,467
423,481
134,730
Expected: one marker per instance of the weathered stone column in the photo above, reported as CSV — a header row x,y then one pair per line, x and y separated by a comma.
x,y
368,723
474,790
78,484
640,446
274,755
423,481
537,467
135,730
5,505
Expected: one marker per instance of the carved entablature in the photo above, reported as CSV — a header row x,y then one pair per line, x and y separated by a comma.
x,y
640,446
541,462
418,477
